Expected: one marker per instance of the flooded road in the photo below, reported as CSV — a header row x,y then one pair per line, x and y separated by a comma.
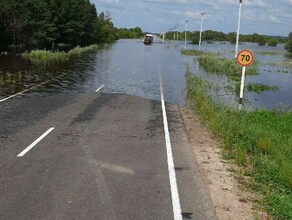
x,y
127,67
69,152
130,67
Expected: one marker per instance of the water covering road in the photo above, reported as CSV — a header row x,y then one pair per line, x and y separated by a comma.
x,y
68,151
128,67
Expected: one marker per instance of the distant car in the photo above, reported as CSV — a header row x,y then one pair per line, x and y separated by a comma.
x,y
148,39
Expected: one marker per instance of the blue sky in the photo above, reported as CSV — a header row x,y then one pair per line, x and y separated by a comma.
x,y
273,17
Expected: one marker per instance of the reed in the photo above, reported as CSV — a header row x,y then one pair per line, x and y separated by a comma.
x,y
259,88
215,64
45,56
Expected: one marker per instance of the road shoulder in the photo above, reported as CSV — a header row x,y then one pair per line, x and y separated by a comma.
x,y
231,201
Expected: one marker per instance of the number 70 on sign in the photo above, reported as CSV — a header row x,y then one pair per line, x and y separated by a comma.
x,y
245,57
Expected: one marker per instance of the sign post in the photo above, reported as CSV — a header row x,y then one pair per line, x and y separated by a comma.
x,y
244,58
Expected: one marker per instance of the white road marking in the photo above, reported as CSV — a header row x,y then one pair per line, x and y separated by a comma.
x,y
171,170
31,88
99,88
35,142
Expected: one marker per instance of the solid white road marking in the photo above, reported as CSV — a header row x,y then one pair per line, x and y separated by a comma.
x,y
31,88
171,170
35,142
99,88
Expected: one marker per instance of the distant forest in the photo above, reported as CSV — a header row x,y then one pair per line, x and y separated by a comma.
x,y
41,23
210,35
44,23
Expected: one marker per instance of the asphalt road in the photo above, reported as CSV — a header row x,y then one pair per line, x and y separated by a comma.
x,y
104,158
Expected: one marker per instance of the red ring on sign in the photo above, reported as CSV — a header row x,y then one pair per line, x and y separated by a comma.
x,y
243,63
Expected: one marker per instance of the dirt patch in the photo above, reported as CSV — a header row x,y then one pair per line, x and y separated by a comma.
x,y
231,201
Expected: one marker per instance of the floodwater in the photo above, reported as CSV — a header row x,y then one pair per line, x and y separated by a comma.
x,y
130,67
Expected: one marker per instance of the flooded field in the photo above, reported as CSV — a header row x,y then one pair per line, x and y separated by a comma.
x,y
274,69
130,67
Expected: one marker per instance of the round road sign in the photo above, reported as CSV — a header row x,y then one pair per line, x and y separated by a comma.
x,y
245,57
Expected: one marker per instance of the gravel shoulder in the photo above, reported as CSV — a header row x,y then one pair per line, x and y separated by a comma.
x,y
231,200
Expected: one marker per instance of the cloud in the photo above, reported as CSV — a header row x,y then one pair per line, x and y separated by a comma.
x,y
109,1
110,4
273,18
168,2
289,2
141,5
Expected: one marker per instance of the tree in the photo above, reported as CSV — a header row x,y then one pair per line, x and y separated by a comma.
x,y
261,40
105,28
288,45
231,37
272,42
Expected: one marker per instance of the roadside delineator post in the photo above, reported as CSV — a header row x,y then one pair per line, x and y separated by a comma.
x,y
245,59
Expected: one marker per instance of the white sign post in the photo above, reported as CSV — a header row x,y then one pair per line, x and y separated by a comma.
x,y
244,58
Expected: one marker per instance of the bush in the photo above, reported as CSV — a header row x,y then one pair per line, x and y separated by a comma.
x,y
272,42
288,46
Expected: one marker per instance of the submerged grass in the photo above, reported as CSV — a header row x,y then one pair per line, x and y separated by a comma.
x,y
260,139
193,52
44,56
271,53
215,64
259,88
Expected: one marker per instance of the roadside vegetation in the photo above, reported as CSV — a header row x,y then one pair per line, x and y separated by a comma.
x,y
43,55
42,24
288,45
13,82
215,64
193,52
259,88
269,53
260,142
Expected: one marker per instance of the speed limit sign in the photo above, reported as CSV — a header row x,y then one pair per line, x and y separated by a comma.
x,y
245,57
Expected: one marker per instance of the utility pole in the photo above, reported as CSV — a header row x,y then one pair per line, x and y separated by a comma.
x,y
177,32
186,33
202,15
174,30
238,28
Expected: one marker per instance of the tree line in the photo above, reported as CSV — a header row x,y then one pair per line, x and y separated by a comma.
x,y
43,23
130,33
210,35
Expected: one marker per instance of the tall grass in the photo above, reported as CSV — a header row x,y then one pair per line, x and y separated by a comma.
x,y
214,64
43,55
259,141
193,52
259,88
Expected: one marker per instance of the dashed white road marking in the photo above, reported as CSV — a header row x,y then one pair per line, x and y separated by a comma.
x,y
35,142
99,88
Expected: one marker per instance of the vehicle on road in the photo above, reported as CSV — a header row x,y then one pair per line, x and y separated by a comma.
x,y
148,39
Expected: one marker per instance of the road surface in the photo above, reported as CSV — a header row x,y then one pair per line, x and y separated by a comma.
x,y
105,159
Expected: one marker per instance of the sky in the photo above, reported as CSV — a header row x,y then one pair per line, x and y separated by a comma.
x,y
267,17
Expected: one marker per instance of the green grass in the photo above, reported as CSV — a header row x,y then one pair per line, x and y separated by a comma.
x,y
259,141
44,56
259,88
214,64
193,52
10,80
271,53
